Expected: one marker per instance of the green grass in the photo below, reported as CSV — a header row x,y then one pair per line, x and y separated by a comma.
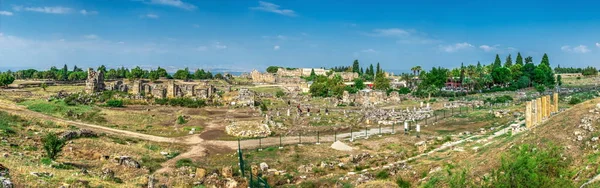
x,y
55,108
184,162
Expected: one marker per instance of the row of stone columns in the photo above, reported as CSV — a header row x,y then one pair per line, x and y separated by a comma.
x,y
539,109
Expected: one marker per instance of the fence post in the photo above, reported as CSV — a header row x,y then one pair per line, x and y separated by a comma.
x,y
318,138
366,133
351,136
259,144
280,145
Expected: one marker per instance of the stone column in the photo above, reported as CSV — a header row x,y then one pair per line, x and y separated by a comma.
x,y
555,102
539,110
528,114
544,107
548,106
533,112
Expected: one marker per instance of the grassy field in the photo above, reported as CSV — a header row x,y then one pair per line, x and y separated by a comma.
x,y
24,154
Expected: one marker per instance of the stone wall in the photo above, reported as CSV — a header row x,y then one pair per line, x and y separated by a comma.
x,y
289,73
94,82
258,77
346,76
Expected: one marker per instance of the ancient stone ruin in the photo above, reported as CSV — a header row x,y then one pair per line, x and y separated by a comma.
x,y
539,109
94,82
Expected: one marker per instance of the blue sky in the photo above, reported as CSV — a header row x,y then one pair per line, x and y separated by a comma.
x,y
241,35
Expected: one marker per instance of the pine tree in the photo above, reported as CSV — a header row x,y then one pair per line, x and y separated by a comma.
x,y
371,70
356,67
497,62
378,69
545,60
508,62
519,60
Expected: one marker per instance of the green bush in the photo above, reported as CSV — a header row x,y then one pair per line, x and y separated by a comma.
x,y
279,94
181,120
402,183
182,102
184,162
114,103
574,100
526,166
52,145
382,175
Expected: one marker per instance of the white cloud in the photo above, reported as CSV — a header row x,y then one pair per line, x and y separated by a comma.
x,y
455,47
404,36
577,49
368,51
276,47
120,42
6,13
487,48
48,10
173,3
270,7
151,16
91,36
86,12
202,48
220,46
597,44
392,32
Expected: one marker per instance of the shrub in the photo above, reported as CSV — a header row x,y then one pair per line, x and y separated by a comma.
x,y
114,103
574,100
402,183
181,120
526,166
184,162
52,145
279,94
382,175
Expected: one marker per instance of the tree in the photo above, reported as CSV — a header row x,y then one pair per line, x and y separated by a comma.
x,y
516,71
136,73
219,76
378,69
52,145
559,80
432,89
44,86
272,69
162,72
519,60
6,79
508,62
523,82
589,71
356,67
381,82
359,84
545,60
182,74
102,68
540,88
153,75
529,59
497,62
200,74
501,75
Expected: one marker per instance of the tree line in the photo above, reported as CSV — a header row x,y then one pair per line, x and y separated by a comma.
x,y
588,71
522,73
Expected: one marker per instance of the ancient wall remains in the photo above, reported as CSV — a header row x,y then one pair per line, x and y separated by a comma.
x,y
94,82
540,109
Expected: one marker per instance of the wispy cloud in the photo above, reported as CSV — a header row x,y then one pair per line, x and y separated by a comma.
x,y
6,13
270,7
278,37
220,46
391,32
487,48
91,36
86,12
47,10
598,45
403,36
276,47
172,3
369,51
455,47
577,49
151,16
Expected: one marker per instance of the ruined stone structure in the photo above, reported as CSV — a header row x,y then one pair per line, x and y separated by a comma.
x,y
539,109
245,97
346,76
289,72
94,82
258,77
